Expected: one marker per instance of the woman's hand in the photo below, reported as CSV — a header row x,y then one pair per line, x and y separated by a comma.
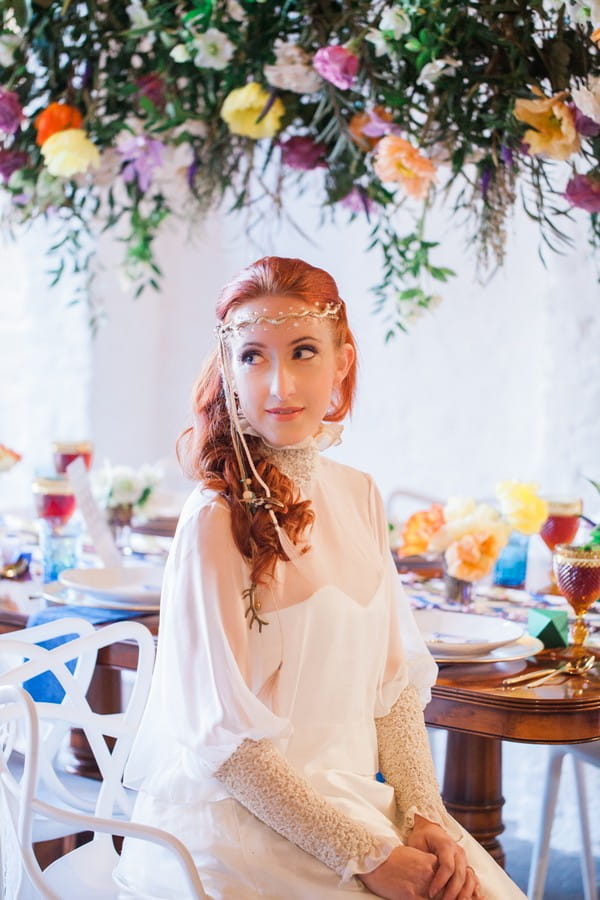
x,y
406,874
453,879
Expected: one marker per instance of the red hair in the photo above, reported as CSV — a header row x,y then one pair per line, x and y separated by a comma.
x,y
205,449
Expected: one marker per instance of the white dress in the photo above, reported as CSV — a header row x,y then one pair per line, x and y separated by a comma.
x,y
340,646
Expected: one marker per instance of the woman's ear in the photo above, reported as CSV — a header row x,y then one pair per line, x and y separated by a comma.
x,y
345,359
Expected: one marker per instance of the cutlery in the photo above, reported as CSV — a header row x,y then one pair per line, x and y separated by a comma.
x,y
16,569
568,667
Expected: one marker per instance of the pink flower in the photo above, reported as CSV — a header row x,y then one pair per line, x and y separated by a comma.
x,y
358,201
337,65
11,161
583,191
303,153
11,112
152,87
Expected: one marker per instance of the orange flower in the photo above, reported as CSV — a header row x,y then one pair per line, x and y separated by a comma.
x,y
472,556
56,117
552,133
397,160
419,528
360,120
595,36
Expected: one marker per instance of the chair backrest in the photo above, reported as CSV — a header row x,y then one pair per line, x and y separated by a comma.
x,y
19,803
74,710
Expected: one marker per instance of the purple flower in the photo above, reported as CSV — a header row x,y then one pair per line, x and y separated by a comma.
x,y
337,65
11,112
484,182
11,161
583,191
583,124
377,127
506,155
303,153
358,201
152,87
141,155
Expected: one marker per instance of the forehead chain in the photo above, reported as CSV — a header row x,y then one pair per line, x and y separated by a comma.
x,y
330,310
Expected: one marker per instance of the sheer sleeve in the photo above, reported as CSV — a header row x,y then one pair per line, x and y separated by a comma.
x,y
201,700
408,659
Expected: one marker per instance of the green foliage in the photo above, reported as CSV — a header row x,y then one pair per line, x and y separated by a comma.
x,y
447,74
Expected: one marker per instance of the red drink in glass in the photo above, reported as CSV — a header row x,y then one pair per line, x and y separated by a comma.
x,y
54,499
562,523
66,451
577,572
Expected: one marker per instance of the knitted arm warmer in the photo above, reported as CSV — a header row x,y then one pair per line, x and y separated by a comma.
x,y
405,761
259,777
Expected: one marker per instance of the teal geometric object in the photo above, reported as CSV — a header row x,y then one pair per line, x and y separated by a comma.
x,y
551,626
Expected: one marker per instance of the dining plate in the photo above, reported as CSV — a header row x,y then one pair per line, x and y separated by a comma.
x,y
58,593
132,584
521,649
464,634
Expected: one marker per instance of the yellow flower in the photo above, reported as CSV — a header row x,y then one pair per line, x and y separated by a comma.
x,y
552,133
244,106
69,152
521,506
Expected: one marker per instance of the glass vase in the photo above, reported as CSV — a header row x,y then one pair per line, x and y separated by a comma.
x,y
119,520
458,592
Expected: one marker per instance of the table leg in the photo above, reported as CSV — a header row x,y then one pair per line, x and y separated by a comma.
x,y
473,788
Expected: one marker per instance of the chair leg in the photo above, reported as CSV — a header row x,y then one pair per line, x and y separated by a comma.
x,y
586,860
541,851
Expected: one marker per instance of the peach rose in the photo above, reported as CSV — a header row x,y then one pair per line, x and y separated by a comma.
x,y
397,160
419,529
472,556
553,133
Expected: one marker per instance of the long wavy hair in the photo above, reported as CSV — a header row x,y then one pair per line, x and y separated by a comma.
x,y
205,449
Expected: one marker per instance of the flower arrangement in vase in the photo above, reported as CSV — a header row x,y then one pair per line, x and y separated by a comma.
x,y
124,492
471,535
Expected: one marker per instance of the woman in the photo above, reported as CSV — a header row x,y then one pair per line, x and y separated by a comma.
x,y
289,670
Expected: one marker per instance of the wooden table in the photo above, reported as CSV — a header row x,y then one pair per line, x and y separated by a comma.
x,y
469,702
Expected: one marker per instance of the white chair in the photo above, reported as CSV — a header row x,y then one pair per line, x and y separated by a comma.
x,y
85,871
580,754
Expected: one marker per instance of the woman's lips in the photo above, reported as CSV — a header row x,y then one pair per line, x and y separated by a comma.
x,y
284,412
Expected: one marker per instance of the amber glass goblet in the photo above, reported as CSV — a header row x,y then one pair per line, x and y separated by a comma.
x,y
577,571
560,527
54,499
64,452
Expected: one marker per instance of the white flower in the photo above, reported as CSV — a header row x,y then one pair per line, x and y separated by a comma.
x,y
394,20
213,49
293,70
118,485
375,37
138,16
180,53
236,11
8,45
430,73
464,516
587,99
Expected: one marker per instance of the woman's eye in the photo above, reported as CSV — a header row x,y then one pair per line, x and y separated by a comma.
x,y
306,351
249,357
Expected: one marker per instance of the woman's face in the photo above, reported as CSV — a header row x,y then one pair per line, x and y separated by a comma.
x,y
285,374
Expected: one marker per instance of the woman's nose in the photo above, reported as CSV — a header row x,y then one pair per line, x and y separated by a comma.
x,y
282,382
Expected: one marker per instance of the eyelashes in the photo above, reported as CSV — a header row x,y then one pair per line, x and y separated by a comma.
x,y
302,352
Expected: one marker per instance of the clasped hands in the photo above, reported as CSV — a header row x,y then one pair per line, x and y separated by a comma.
x,y
430,866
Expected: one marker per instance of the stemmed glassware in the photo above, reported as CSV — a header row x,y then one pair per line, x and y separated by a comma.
x,y
64,452
560,527
577,571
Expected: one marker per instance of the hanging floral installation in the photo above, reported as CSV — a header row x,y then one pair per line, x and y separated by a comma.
x,y
108,112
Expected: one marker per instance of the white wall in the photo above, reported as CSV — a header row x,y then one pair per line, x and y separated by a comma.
x,y
501,381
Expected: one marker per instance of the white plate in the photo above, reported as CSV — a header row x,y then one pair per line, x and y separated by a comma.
x,y
521,649
464,634
134,584
58,593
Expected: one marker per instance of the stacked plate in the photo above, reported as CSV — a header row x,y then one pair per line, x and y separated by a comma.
x,y
123,587
456,637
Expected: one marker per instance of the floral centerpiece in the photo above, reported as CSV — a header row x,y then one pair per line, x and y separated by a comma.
x,y
122,115
125,491
471,535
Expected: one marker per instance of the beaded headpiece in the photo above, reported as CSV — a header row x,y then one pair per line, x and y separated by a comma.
x,y
247,468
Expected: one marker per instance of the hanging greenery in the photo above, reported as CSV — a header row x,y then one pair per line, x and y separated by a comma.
x,y
123,116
